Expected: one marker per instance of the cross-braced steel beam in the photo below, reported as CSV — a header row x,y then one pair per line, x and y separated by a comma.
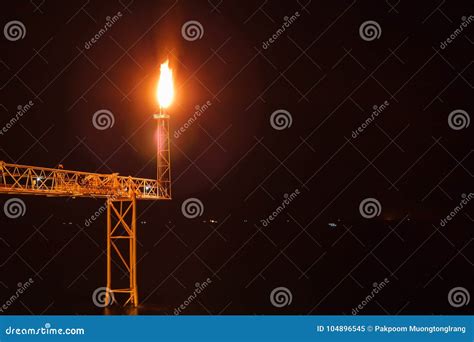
x,y
122,249
163,161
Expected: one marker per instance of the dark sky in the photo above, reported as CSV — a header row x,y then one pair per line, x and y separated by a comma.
x,y
325,76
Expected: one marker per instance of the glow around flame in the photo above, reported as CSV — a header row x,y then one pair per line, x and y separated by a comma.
x,y
165,90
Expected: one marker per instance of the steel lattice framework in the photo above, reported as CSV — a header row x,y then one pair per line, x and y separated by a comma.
x,y
121,194
32,180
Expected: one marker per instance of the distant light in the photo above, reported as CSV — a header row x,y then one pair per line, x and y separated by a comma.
x,y
332,225
213,221
147,187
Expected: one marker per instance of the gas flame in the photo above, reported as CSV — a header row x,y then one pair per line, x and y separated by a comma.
x,y
165,90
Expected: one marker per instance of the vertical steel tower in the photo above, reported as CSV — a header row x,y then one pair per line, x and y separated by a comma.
x,y
121,194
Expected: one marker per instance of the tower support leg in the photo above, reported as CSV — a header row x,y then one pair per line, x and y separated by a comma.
x,y
122,251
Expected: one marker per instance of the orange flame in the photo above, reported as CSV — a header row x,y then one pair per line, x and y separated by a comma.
x,y
165,90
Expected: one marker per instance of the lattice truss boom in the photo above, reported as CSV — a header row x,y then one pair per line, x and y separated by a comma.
x,y
32,180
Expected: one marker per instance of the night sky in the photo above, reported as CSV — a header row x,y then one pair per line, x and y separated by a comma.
x,y
322,115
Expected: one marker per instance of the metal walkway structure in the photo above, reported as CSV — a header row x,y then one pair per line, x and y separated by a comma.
x,y
121,194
